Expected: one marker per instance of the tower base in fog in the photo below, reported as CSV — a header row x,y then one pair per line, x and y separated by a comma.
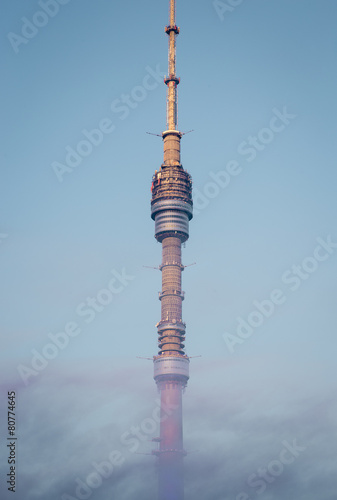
x,y
171,453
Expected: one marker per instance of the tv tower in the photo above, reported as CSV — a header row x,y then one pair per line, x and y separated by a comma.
x,y
171,209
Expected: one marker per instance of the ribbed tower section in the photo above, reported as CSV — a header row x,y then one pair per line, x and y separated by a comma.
x,y
171,209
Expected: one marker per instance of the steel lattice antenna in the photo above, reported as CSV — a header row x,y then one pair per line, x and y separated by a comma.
x,y
172,81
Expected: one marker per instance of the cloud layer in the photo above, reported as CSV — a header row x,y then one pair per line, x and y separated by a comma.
x,y
245,440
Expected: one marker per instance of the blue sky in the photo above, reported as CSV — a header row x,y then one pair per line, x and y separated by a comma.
x,y
64,236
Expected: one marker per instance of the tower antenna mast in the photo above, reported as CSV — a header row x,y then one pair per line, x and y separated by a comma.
x,y
171,80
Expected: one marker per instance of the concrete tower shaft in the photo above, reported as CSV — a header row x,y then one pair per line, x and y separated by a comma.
x,y
171,209
170,338
171,454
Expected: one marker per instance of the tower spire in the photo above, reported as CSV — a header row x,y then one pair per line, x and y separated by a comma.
x,y
171,80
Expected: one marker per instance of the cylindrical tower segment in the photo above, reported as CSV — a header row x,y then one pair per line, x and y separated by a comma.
x,y
171,147
171,338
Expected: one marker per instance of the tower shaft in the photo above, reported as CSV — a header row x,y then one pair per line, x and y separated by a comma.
x,y
171,209
171,454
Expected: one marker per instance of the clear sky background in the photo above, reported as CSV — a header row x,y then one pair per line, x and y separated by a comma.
x,y
64,235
